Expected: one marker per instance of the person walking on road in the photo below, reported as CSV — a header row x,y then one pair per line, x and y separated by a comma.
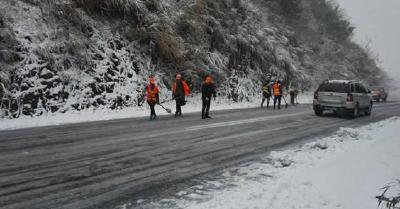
x,y
180,90
207,91
152,96
293,96
266,89
277,91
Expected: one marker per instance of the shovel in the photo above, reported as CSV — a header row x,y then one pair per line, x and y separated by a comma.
x,y
166,109
286,104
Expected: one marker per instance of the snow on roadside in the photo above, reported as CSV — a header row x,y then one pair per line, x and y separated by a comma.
x,y
88,115
343,171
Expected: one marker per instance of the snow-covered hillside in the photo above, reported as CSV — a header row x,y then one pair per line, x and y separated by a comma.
x,y
58,56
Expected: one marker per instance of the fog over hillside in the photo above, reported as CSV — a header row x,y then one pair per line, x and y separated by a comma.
x,y
375,22
58,56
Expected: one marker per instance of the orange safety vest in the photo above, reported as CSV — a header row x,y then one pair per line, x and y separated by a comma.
x,y
276,89
151,94
185,88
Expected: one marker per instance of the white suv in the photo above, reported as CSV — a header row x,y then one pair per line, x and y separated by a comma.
x,y
342,96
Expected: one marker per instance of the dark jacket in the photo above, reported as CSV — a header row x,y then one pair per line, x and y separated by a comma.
x,y
208,90
180,89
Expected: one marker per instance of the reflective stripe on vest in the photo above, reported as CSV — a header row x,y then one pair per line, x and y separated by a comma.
x,y
265,89
151,96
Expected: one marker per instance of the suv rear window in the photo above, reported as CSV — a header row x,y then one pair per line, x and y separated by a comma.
x,y
335,87
378,88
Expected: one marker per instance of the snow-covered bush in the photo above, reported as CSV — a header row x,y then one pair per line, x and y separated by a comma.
x,y
169,47
385,200
116,8
335,24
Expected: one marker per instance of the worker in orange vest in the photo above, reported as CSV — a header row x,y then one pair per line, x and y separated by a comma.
x,y
277,91
180,90
152,96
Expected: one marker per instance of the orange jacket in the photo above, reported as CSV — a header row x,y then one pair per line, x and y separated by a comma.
x,y
277,89
185,88
152,94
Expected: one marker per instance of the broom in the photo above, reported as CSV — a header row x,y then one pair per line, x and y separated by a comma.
x,y
166,109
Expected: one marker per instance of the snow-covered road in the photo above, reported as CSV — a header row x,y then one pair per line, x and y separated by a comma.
x,y
343,171
107,163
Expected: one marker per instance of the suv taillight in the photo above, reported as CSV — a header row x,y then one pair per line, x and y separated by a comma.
x,y
316,95
349,98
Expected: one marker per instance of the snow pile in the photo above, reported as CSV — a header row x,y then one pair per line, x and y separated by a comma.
x,y
346,171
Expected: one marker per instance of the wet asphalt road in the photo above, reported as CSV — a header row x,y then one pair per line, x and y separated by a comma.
x,y
101,164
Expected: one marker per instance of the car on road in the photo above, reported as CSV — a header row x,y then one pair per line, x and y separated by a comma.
x,y
379,94
343,96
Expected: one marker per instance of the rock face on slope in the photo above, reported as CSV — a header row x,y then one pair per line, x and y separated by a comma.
x,y
78,54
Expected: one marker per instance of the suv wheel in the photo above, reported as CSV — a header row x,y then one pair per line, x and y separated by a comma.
x,y
319,112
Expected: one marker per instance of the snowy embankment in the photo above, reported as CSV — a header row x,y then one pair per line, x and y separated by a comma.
x,y
346,171
88,115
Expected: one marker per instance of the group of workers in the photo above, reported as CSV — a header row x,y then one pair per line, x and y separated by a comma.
x,y
274,90
180,90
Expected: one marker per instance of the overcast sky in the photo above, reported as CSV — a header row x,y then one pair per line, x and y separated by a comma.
x,y
378,21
